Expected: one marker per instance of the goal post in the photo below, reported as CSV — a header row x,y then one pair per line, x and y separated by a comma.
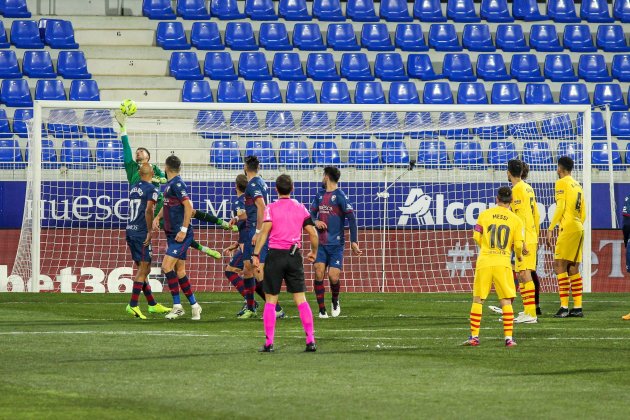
x,y
416,238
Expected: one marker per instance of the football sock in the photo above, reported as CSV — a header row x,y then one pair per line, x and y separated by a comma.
x,y
320,293
528,295
334,290
564,284
508,320
306,315
269,322
260,291
135,293
187,289
237,282
146,289
196,245
576,289
536,287
475,319
173,286
207,217
250,286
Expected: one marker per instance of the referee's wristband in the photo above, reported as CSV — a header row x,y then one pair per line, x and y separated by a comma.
x,y
183,229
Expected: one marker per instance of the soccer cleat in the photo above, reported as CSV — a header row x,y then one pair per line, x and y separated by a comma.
x,y
243,309
248,314
562,313
523,318
266,349
336,309
310,347
176,312
626,317
496,309
538,310
159,309
135,311
509,342
471,342
196,312
280,314
211,252
323,314
576,313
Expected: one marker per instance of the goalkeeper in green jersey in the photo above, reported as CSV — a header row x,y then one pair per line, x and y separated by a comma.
x,y
159,177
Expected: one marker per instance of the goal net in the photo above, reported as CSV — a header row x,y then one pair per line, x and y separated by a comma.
x,y
414,221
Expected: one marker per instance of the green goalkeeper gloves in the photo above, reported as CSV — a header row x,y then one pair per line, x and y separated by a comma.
x,y
122,121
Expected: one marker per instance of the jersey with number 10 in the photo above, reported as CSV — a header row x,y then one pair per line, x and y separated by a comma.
x,y
496,232
140,193
569,192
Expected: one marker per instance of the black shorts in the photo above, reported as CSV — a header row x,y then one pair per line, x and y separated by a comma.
x,y
281,265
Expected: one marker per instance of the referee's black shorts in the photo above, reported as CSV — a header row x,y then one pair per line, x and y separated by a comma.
x,y
279,265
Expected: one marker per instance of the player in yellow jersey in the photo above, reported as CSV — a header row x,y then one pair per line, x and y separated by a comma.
x,y
523,205
569,215
498,231
534,274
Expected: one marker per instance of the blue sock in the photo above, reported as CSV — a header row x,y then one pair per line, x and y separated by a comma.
x,y
187,289
173,286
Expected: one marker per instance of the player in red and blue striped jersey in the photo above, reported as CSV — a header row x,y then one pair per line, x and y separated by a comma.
x,y
329,210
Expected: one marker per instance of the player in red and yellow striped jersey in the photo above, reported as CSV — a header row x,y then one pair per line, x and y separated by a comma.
x,y
498,231
570,215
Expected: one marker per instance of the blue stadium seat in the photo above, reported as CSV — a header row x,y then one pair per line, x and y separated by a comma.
x,y
253,66
64,124
601,155
476,37
316,122
351,122
328,10
109,153
558,68
558,127
577,38
239,36
538,93
308,37
184,66
544,38
468,155
620,126
4,41
11,155
409,37
574,94
458,68
570,149
9,68
537,155
620,67
389,67
245,122
461,11
510,37
321,66
232,91
433,155
385,125
595,11
341,37
506,94
49,154
487,128
394,11
293,155
193,9
75,154
419,67
491,67
562,11
334,93
266,92
527,10
609,93
84,90
611,38
263,149
403,93
196,91
428,11
495,11
369,93
355,67
158,9
500,153
224,154
5,129
15,9
51,90
437,93
219,66
287,66
205,36
60,34
274,37
20,118
394,153
25,34
97,124
525,68
443,37
472,93
375,37
364,155
260,10
592,68
448,120
301,93
14,93
211,120
73,65
293,10
171,36
416,124
225,10
361,11
598,126
325,153
621,11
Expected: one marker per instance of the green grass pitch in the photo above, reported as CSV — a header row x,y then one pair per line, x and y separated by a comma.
x,y
388,356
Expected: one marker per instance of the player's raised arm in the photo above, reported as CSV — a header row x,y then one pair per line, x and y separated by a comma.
x,y
129,162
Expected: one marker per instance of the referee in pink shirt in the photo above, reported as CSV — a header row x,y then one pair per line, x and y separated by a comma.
x,y
283,224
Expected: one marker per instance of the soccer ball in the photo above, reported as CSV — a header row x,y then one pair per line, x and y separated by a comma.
x,y
128,107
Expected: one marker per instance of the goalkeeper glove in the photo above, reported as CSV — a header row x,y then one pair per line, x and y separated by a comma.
x,y
159,180
122,121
